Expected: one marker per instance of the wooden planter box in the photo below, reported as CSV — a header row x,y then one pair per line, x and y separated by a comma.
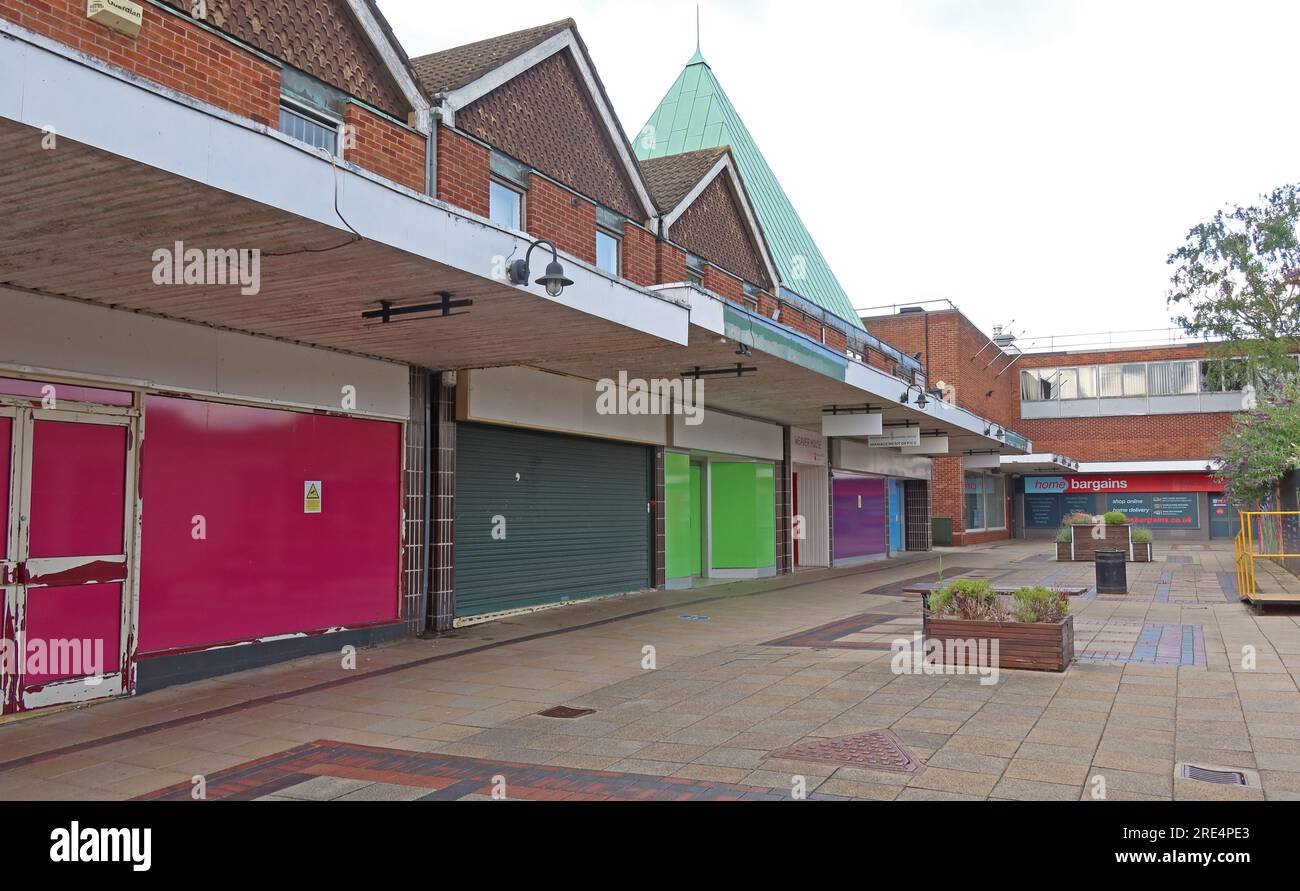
x,y
1040,646
1084,546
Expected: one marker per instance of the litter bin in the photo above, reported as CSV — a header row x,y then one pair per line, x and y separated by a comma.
x,y
1112,572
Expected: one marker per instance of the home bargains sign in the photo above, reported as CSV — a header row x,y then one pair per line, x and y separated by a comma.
x,y
1121,483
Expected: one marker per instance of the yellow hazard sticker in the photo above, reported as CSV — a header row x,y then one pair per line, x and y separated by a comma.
x,y
311,496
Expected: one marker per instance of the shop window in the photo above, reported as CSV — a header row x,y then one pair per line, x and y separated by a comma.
x,y
505,205
607,251
986,506
1171,378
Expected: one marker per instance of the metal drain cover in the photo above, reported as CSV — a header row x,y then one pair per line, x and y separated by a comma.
x,y
877,750
1211,775
566,711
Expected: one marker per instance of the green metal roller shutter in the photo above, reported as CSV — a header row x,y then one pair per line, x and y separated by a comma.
x,y
576,523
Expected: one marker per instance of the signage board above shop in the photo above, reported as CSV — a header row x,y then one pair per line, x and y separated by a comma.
x,y
895,438
1121,483
807,447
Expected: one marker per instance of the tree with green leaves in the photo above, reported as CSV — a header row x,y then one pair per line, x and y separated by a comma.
x,y
1261,447
1237,279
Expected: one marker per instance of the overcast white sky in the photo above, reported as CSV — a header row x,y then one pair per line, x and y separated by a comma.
x,y
1034,160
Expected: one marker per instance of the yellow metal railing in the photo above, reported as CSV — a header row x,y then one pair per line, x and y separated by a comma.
x,y
1269,537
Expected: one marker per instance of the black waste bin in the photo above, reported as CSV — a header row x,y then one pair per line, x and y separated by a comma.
x,y
1112,572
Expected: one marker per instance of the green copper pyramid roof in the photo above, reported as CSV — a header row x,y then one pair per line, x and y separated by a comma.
x,y
696,114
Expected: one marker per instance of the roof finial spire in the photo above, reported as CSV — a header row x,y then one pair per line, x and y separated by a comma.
x,y
698,57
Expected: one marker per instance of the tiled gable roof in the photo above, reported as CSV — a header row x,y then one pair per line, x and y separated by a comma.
x,y
453,68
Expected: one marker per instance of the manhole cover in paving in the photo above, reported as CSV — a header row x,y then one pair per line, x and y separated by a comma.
x,y
566,711
877,750
1210,775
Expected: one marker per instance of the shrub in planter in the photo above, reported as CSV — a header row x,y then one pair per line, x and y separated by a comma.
x,y
1038,604
1142,535
1079,519
1115,518
968,599
1064,535
1038,634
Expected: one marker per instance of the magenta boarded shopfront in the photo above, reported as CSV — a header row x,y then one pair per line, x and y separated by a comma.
x,y
859,518
259,522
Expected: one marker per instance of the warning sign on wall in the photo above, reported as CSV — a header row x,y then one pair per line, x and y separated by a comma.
x,y
311,496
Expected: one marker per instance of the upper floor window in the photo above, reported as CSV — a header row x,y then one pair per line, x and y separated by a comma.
x,y
1171,378
1224,375
608,249
695,277
1123,380
310,126
505,205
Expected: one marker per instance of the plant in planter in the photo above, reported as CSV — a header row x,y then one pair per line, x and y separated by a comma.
x,y
1142,541
968,615
1088,534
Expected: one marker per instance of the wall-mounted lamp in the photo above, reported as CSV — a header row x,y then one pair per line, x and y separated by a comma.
x,y
743,350
554,280
921,399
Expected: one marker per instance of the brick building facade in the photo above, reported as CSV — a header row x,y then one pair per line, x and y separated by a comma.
x,y
1170,424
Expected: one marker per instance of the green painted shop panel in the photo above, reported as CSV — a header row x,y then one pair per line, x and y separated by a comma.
x,y
697,519
743,515
678,516
575,518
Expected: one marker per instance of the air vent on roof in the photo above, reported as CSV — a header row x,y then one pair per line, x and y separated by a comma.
x,y
910,309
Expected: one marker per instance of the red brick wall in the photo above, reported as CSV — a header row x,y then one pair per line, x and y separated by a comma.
x,y
638,255
463,172
836,340
383,147
168,51
670,264
1129,437
950,352
720,282
552,215
953,355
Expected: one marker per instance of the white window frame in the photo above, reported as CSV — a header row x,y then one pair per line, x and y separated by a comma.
x,y
315,116
510,187
618,250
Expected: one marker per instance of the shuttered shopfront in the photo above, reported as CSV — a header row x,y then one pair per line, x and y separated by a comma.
x,y
543,518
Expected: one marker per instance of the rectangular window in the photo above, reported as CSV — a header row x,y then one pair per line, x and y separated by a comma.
x,y
1067,383
607,251
986,504
1135,380
1029,386
505,205
1112,380
1171,378
695,277
974,502
1088,382
305,126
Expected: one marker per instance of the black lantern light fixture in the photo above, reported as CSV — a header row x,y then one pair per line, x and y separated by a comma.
x,y
554,280
921,399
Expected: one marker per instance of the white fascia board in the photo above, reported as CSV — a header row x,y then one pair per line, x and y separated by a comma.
x,y
1181,466
388,55
725,163
706,308
454,100
46,84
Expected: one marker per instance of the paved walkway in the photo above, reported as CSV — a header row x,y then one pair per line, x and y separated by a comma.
x,y
756,687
